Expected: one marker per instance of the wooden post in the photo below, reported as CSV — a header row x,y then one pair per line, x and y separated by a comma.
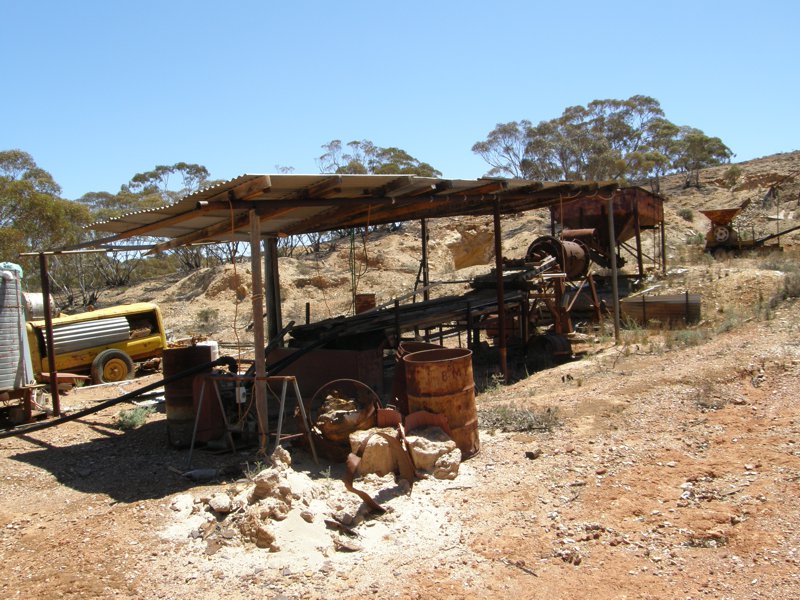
x,y
686,308
426,295
525,316
260,385
308,313
595,299
612,250
470,337
644,310
501,300
48,329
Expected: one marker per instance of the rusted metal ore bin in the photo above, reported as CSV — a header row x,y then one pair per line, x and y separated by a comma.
x,y
441,381
178,395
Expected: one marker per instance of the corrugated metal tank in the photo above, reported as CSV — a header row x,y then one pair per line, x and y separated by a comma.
x,y
78,336
15,364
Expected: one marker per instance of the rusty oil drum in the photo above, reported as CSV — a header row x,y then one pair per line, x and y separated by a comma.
x,y
440,381
399,383
179,395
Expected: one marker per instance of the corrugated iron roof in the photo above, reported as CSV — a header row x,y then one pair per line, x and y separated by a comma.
x,y
288,204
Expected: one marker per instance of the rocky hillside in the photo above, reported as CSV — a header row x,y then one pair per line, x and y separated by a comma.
x,y
216,301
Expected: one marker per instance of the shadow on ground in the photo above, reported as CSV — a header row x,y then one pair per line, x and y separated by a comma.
x,y
127,466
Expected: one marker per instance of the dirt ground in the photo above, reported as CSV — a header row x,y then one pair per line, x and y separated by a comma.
x,y
669,470
670,475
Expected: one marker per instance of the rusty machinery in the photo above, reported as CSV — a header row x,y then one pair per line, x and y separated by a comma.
x,y
723,237
636,212
551,277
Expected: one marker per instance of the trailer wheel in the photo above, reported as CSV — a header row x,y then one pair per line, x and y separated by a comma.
x,y
112,365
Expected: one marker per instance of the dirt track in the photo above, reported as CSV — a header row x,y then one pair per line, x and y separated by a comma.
x,y
672,476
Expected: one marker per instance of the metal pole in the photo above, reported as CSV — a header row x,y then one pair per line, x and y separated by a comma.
x,y
501,301
260,384
48,328
637,229
663,246
612,248
272,287
426,295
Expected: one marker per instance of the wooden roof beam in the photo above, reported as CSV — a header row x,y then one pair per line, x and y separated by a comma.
x,y
202,207
490,187
222,227
405,186
248,190
329,186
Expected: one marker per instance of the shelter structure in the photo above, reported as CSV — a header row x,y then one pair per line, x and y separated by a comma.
x,y
253,208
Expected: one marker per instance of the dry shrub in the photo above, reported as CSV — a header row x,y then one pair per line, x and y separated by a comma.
x,y
509,418
321,282
133,418
373,260
229,282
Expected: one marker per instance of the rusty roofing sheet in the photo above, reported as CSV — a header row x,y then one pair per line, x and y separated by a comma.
x,y
294,204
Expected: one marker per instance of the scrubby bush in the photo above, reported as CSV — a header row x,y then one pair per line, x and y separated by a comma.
x,y
133,418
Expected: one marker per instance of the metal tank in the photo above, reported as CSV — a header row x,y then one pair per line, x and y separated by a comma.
x,y
179,395
15,364
34,306
71,337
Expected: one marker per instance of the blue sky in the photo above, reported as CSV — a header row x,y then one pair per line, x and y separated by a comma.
x,y
97,91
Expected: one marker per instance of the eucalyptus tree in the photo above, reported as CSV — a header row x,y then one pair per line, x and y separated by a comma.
x,y
628,140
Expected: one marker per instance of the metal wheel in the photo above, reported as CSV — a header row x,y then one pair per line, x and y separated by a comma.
x,y
721,234
111,366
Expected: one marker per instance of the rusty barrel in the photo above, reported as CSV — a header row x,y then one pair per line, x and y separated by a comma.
x,y
364,302
441,381
179,395
399,391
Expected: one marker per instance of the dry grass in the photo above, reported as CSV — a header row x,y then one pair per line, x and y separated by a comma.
x,y
509,418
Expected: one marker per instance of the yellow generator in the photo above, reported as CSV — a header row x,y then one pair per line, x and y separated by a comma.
x,y
104,343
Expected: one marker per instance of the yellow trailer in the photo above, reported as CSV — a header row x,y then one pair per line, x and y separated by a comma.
x,y
104,343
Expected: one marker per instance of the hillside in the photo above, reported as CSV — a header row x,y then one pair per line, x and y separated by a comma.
x,y
209,302
656,468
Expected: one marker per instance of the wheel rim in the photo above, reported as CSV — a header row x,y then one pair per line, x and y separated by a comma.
x,y
115,370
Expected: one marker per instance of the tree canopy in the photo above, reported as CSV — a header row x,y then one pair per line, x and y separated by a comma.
x,y
629,140
33,216
147,190
362,157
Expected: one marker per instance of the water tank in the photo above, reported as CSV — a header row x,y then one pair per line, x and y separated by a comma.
x,y
15,363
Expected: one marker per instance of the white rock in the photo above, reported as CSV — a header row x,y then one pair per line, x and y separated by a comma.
x,y
446,466
281,458
377,457
307,516
183,504
427,445
221,503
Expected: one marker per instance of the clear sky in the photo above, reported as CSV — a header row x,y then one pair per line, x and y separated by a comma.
x,y
97,91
